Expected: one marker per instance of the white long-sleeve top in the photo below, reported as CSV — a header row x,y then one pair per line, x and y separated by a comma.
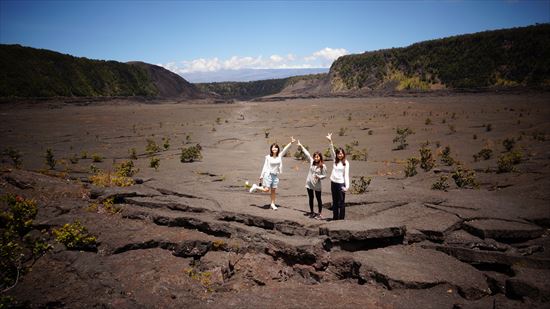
x,y
315,174
274,165
340,172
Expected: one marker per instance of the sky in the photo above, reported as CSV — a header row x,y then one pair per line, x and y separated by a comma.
x,y
205,36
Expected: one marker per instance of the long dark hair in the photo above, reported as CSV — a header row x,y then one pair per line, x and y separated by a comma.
x,y
271,152
321,162
336,160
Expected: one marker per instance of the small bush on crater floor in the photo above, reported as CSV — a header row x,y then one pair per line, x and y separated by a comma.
x,y
191,154
75,237
441,183
359,186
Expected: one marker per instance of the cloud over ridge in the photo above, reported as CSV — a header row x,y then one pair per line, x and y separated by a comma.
x,y
320,59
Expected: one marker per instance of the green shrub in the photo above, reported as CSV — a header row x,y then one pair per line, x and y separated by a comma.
x,y
446,156
15,156
441,184
191,154
465,178
75,237
125,169
359,186
97,158
154,163
166,143
17,248
360,155
485,154
74,159
151,147
506,162
50,160
509,143
299,154
19,215
427,161
133,153
342,131
401,137
410,168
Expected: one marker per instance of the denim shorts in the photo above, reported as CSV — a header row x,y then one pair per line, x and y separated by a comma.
x,y
270,180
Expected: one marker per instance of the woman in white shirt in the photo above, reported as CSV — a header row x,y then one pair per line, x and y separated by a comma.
x,y
339,181
317,172
273,166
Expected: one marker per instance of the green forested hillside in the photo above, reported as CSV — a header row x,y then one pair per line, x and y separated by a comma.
x,y
30,72
501,58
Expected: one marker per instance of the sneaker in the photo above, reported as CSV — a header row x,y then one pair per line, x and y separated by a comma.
x,y
273,206
319,217
253,189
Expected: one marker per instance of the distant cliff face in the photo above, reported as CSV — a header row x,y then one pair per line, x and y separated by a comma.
x,y
501,58
169,84
30,72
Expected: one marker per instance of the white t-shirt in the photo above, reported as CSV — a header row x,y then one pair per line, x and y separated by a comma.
x,y
340,172
274,165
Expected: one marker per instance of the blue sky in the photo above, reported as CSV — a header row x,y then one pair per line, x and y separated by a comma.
x,y
187,36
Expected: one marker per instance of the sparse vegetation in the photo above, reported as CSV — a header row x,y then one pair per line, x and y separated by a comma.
x,y
97,158
18,250
154,162
359,186
410,168
125,169
133,153
107,179
342,131
191,154
15,156
445,156
506,162
485,154
151,147
401,138
75,237
299,154
166,143
509,143
50,159
465,178
441,183
427,161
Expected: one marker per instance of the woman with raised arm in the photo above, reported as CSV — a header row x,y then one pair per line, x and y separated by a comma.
x,y
273,166
339,181
317,172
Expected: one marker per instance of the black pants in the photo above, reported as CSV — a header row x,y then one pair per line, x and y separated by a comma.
x,y
317,196
338,201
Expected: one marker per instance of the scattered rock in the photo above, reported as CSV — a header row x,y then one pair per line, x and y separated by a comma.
x,y
501,230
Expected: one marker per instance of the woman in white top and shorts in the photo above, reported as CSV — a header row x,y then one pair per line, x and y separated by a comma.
x,y
273,166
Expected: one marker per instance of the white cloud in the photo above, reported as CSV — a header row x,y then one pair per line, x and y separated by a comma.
x,y
330,54
318,59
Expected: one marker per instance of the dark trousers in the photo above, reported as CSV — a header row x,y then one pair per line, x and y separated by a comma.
x,y
338,201
317,196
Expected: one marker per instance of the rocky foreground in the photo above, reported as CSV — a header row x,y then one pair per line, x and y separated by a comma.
x,y
177,249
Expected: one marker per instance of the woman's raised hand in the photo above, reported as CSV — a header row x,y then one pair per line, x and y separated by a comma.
x,y
292,140
329,137
299,144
